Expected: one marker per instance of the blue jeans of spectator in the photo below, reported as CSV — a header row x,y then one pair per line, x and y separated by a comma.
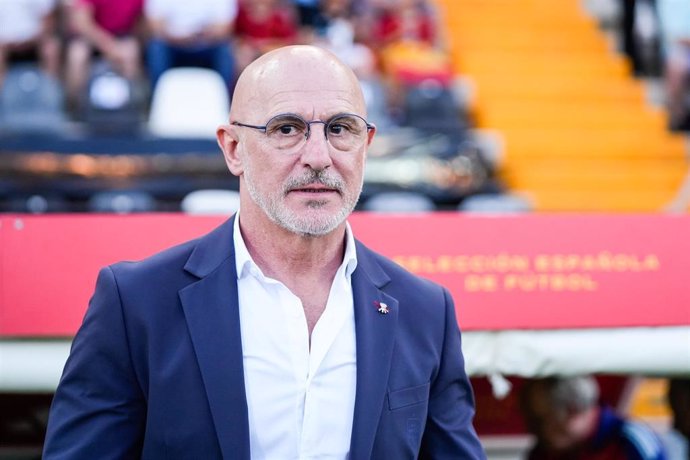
x,y
162,56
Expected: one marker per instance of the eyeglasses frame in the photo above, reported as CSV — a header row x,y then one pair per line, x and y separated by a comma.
x,y
309,123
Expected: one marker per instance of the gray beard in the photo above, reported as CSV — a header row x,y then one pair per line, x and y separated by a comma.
x,y
304,226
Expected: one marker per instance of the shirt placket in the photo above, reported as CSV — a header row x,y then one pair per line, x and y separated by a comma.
x,y
325,332
298,334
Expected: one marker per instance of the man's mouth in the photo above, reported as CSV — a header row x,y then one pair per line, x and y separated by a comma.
x,y
315,188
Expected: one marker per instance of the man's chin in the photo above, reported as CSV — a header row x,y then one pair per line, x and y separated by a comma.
x,y
313,223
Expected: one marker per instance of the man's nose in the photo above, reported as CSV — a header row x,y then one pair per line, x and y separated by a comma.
x,y
316,152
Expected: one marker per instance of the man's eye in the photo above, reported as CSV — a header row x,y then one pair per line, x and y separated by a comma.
x,y
342,127
336,128
286,129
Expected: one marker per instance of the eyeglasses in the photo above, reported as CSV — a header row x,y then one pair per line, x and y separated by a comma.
x,y
345,132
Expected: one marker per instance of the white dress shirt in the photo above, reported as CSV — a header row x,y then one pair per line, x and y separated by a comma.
x,y
301,401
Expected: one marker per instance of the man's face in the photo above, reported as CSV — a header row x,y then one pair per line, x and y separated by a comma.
x,y
312,189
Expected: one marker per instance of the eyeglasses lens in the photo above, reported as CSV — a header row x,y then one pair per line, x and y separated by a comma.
x,y
344,132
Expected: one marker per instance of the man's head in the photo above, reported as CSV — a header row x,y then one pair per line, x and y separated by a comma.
x,y
560,412
304,177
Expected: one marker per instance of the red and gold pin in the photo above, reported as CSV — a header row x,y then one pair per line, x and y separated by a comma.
x,y
382,308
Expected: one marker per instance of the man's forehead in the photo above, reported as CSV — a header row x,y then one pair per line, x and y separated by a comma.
x,y
305,77
318,97
298,79
261,113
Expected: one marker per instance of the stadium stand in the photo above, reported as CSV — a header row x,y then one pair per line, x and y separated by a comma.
x,y
579,135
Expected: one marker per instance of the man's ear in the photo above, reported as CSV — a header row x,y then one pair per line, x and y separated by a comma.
x,y
370,134
228,143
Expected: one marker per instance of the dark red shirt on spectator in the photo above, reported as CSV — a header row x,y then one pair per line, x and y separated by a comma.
x,y
280,24
391,27
116,16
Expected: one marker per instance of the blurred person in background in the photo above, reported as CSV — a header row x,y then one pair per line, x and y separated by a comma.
x,y
263,25
564,415
674,16
677,440
192,33
406,36
339,28
631,45
405,21
102,28
27,33
307,12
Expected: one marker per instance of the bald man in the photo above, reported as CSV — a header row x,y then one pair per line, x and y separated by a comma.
x,y
278,335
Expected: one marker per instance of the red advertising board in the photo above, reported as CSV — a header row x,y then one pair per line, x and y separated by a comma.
x,y
507,272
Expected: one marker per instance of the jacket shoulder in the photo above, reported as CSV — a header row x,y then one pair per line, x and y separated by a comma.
x,y
172,258
199,256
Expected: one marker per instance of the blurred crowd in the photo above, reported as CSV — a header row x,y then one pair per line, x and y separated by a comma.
x,y
387,42
165,70
96,66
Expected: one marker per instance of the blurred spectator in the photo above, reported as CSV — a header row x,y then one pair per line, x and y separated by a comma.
x,y
307,11
191,33
677,440
674,16
263,25
406,20
336,28
410,48
568,422
27,32
104,28
630,45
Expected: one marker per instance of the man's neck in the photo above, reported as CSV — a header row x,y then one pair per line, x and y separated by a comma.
x,y
289,257
305,265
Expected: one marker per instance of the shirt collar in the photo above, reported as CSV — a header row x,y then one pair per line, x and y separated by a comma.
x,y
245,265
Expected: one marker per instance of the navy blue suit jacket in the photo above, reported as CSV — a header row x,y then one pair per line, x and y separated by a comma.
x,y
155,370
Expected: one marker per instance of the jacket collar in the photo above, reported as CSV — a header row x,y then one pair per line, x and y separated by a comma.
x,y
211,308
375,333
212,250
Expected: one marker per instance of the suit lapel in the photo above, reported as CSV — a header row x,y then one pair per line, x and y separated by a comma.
x,y
375,333
211,308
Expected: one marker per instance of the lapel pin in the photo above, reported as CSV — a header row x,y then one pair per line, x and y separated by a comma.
x,y
381,308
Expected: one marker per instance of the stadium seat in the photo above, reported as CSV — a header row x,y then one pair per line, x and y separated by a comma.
x,y
211,202
495,204
31,101
112,104
188,102
401,202
432,107
38,203
121,202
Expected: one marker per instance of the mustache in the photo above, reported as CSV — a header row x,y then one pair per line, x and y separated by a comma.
x,y
314,177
